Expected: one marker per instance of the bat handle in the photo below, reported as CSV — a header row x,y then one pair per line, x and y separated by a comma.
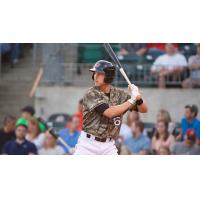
x,y
126,77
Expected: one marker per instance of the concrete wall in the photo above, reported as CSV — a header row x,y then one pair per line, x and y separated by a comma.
x,y
65,99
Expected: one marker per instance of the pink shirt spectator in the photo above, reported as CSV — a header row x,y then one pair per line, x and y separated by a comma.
x,y
157,143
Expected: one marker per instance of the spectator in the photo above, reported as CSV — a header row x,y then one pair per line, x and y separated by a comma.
x,y
163,115
163,150
79,114
50,147
155,50
27,112
70,135
15,52
187,147
34,134
190,121
171,64
138,142
194,66
20,146
125,130
7,133
135,51
162,136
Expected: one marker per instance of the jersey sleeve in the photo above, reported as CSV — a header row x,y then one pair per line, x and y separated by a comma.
x,y
93,99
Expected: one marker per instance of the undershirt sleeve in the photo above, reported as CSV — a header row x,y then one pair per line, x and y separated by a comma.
x,y
101,108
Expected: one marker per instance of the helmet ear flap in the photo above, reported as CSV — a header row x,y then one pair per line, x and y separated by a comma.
x,y
93,75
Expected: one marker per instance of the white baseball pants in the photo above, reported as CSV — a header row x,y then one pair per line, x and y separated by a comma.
x,y
89,146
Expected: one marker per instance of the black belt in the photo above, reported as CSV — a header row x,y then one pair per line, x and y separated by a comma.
x,y
98,139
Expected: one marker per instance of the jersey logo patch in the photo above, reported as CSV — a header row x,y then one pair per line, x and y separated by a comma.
x,y
117,121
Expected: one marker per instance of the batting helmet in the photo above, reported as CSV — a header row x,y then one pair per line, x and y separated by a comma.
x,y
105,67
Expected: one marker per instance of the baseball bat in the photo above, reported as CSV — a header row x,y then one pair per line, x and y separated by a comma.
x,y
114,58
55,135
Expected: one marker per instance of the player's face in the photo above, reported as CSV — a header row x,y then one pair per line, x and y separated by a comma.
x,y
99,79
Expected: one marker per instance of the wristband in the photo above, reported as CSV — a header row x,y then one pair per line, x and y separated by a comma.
x,y
139,102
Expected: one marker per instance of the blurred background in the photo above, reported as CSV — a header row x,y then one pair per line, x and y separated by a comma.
x,y
53,77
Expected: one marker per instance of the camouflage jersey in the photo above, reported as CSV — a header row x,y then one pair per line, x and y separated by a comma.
x,y
95,123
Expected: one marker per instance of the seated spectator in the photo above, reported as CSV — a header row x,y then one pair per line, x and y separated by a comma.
x,y
190,121
15,52
79,114
163,115
171,64
194,66
50,147
187,147
163,150
34,134
70,135
7,133
20,146
162,136
155,49
137,142
136,51
125,130
28,112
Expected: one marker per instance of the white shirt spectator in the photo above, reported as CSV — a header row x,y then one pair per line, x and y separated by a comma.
x,y
38,141
169,62
57,150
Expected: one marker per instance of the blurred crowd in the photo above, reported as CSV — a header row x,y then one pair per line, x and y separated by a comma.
x,y
28,134
12,52
170,62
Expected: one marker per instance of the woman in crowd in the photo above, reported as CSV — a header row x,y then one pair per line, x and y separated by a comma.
x,y
50,146
162,136
34,134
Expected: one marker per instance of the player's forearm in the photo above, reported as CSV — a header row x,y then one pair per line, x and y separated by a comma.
x,y
118,110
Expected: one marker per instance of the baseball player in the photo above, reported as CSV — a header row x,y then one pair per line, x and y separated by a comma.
x,y
103,108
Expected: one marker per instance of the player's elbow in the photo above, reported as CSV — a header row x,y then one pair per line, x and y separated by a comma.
x,y
143,108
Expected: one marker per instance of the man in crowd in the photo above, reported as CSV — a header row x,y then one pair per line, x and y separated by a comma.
x,y
171,64
71,134
28,112
7,133
194,66
20,146
187,147
190,121
138,142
